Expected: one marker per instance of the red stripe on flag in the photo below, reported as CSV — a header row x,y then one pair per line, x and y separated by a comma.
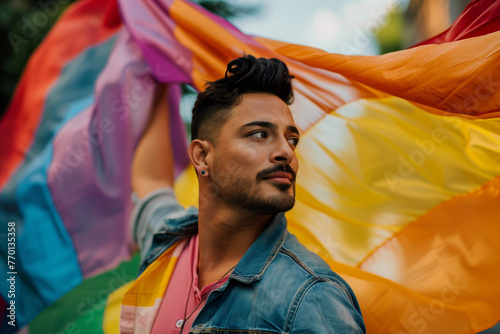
x,y
479,18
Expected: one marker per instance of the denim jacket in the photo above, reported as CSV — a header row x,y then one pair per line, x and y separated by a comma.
x,y
277,287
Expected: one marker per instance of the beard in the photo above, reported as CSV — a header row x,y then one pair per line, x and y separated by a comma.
x,y
249,194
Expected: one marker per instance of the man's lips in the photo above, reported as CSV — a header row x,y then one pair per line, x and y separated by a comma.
x,y
279,177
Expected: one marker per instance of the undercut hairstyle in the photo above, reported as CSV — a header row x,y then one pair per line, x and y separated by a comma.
x,y
244,75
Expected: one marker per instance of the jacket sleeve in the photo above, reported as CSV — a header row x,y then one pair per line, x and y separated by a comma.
x,y
149,214
327,308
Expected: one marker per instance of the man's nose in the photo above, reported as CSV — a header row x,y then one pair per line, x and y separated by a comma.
x,y
283,153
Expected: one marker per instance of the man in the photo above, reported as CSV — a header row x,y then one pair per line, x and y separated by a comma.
x,y
232,266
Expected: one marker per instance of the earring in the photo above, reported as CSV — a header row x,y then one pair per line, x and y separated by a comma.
x,y
203,172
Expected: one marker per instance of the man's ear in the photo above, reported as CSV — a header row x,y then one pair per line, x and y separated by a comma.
x,y
199,151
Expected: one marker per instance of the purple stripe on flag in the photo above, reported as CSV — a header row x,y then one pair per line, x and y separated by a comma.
x,y
153,31
90,173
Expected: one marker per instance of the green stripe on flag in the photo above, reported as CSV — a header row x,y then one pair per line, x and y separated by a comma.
x,y
81,310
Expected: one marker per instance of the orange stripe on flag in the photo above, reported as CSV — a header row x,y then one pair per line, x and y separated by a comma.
x,y
420,75
434,256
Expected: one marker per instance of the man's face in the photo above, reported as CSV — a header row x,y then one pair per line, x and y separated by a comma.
x,y
254,162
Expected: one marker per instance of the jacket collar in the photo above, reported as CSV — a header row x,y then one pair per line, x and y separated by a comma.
x,y
184,225
262,252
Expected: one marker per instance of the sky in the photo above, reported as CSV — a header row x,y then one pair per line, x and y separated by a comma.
x,y
336,26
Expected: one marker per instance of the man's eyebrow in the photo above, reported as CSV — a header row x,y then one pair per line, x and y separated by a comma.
x,y
293,129
271,126
263,124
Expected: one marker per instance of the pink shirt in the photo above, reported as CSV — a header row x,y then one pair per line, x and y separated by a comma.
x,y
171,312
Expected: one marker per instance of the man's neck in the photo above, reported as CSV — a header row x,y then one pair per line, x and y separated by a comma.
x,y
225,235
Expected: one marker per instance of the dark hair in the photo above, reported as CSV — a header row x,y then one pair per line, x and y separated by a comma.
x,y
244,75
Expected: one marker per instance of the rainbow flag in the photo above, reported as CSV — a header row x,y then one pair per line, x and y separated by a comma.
x,y
399,188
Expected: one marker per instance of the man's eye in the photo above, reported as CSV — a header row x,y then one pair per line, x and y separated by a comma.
x,y
293,141
259,134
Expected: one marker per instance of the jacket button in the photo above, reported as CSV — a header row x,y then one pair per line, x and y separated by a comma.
x,y
179,323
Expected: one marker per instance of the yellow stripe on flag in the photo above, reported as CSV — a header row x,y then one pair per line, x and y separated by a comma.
x,y
372,166
111,317
152,283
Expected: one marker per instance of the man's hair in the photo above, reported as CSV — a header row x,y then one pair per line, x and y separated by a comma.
x,y
244,75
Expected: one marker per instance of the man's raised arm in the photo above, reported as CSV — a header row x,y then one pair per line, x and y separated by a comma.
x,y
152,178
153,162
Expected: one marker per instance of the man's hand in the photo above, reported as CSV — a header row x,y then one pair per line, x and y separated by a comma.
x,y
153,162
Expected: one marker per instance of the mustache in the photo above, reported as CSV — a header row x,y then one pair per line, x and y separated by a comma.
x,y
276,169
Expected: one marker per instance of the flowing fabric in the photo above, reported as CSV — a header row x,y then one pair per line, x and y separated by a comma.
x,y
398,190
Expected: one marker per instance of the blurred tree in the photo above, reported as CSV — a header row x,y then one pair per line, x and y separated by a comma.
x,y
390,36
227,9
24,24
